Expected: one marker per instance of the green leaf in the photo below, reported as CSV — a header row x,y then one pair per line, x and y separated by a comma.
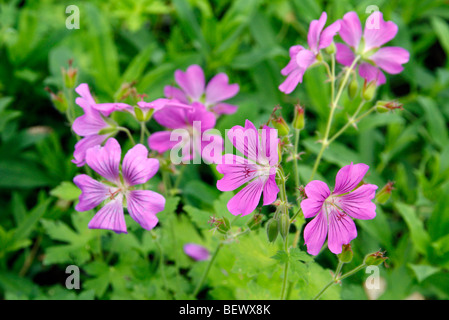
x,y
422,271
441,29
67,190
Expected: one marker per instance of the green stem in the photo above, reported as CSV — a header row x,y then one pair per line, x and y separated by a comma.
x,y
142,132
161,261
295,215
128,133
295,163
206,271
284,283
334,104
350,122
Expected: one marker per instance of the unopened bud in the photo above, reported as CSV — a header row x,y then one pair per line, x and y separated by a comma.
x,y
280,125
107,131
346,253
255,221
284,225
375,259
353,88
69,76
140,116
331,49
384,194
223,225
386,106
298,118
59,100
272,230
369,90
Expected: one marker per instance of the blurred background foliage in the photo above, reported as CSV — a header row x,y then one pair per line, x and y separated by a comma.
x,y
146,41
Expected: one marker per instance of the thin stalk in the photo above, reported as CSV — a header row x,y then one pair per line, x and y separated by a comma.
x,y
351,121
142,132
161,261
283,196
334,104
128,133
206,271
295,163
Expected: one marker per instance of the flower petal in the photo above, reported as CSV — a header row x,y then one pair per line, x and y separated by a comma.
x,y
344,55
160,141
92,192
110,217
85,144
224,108
377,31
196,252
371,73
351,29
192,81
137,168
269,142
315,234
391,59
342,230
175,93
218,89
315,28
327,36
245,140
143,205
105,160
358,204
247,199
305,58
89,124
236,170
292,65
317,192
349,177
270,190
172,117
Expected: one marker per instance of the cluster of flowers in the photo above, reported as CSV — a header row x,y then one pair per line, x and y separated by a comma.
x,y
257,169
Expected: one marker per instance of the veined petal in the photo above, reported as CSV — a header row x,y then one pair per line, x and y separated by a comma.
x,y
89,124
172,117
137,168
105,160
245,140
342,230
218,89
371,73
110,217
292,81
85,144
143,205
247,199
317,192
377,31
211,147
305,58
270,190
269,142
236,170
358,203
391,59
192,81
92,192
315,28
351,29
315,234
349,177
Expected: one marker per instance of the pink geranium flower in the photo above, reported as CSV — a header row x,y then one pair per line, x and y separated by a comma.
x,y
194,90
192,133
119,188
196,252
334,211
368,45
258,169
301,58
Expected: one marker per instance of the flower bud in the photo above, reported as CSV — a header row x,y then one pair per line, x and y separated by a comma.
x,y
298,118
140,116
346,253
375,259
353,88
386,106
284,225
280,125
69,76
331,49
272,230
384,194
107,131
222,225
255,221
369,90
59,100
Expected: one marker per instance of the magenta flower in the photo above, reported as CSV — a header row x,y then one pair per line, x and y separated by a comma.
x,y
119,188
377,32
196,252
301,58
194,89
190,132
258,169
334,211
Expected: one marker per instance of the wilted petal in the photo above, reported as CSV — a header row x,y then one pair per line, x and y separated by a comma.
x,y
247,199
358,204
351,29
349,177
92,192
105,160
315,234
110,217
196,252
137,168
377,31
391,59
192,81
341,231
143,205
218,89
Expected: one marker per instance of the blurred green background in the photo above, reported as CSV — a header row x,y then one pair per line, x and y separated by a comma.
x,y
146,41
